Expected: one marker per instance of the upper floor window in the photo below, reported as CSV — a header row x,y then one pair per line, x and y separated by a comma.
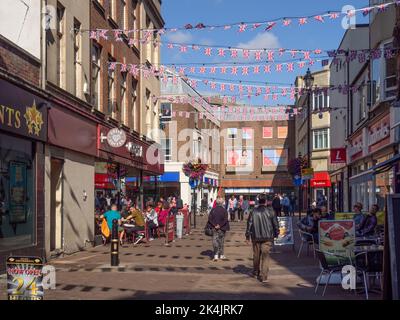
x,y
282,132
61,46
232,133
321,139
166,112
268,133
166,147
96,83
320,101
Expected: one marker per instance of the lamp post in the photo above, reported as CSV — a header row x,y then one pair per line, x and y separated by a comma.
x,y
309,82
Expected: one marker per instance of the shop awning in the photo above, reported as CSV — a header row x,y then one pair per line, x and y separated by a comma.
x,y
387,165
321,180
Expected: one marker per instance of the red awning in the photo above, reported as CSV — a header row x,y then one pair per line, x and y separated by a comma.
x,y
321,180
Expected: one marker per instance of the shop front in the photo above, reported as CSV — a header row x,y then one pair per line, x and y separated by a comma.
x,y
137,165
372,181
23,133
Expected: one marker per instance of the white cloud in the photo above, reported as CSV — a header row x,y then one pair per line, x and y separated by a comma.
x,y
261,40
180,37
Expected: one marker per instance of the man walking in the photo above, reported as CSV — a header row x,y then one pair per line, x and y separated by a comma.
x,y
262,228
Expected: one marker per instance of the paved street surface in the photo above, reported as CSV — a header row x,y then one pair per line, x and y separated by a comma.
x,y
185,271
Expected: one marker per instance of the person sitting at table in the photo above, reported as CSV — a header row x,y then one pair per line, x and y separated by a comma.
x,y
135,221
368,224
358,215
309,224
152,220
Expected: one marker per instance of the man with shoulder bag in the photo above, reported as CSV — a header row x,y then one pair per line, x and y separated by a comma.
x,y
218,224
262,229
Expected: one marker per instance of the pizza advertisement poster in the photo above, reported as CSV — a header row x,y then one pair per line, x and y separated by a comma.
x,y
337,237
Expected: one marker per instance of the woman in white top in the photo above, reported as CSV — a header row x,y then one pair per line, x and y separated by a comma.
x,y
152,220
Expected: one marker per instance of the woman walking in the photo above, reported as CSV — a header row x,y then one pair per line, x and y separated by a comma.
x,y
218,220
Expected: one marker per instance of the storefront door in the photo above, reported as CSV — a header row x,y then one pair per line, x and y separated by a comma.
x,y
56,205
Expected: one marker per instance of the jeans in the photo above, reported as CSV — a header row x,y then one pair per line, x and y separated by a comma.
x,y
261,258
232,213
240,214
218,242
151,227
292,209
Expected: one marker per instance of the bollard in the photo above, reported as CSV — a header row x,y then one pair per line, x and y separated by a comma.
x,y
114,245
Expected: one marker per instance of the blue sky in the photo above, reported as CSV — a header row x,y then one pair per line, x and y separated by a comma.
x,y
313,35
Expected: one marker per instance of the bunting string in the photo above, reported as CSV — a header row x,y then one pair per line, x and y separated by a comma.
x,y
241,27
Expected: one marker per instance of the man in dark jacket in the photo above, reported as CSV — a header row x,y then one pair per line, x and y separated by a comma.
x,y
262,228
368,223
218,220
276,205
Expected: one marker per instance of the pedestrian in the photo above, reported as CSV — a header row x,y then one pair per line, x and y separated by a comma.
x,y
179,203
276,205
108,200
218,220
262,229
204,205
245,206
232,203
292,208
240,209
285,205
211,204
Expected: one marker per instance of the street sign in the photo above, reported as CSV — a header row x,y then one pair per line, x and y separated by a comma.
x,y
338,156
307,174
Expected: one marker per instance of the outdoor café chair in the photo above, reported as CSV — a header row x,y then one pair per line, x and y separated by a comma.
x,y
308,240
328,269
369,263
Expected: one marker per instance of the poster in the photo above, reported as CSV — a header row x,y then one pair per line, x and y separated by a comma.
x,y
247,133
337,237
344,216
18,192
170,229
24,278
273,158
240,158
285,237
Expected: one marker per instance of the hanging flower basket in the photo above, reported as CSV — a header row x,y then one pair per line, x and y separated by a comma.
x,y
195,170
295,166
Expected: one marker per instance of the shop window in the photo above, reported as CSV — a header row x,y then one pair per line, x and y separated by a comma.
x,y
17,193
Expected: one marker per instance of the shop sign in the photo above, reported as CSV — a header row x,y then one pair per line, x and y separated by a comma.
x,y
379,131
25,118
134,149
336,237
356,147
24,278
116,138
307,174
338,156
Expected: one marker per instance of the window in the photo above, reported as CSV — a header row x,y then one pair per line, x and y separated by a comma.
x,y
268,132
282,132
134,19
112,9
166,110
17,193
273,158
232,133
166,147
384,79
96,56
112,104
61,46
123,108
320,101
148,44
77,59
362,102
390,73
321,139
134,116
123,19
148,112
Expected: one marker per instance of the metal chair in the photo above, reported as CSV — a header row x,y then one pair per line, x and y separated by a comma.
x,y
308,239
327,268
369,264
